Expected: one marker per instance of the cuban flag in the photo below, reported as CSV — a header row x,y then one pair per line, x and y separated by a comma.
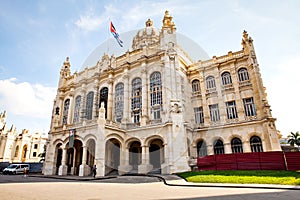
x,y
71,138
115,34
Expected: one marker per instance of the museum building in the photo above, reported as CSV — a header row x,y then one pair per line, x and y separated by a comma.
x,y
157,106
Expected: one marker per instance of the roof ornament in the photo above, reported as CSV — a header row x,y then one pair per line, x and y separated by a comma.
x,y
168,23
149,23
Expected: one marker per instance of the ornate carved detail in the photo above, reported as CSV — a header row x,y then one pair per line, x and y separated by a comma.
x,y
145,37
168,23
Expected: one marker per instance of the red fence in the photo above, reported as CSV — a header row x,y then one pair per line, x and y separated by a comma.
x,y
292,160
251,161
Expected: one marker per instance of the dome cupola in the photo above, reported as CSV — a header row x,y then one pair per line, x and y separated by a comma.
x,y
147,36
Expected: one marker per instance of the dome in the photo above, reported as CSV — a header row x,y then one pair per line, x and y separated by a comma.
x,y
147,36
137,39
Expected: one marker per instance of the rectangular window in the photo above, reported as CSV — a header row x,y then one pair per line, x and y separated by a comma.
x,y
34,154
156,112
199,118
231,110
214,113
35,146
249,107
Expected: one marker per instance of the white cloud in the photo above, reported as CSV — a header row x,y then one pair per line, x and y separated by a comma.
x,y
25,99
89,23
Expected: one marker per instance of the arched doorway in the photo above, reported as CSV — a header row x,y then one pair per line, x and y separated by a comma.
x,y
112,156
90,152
58,153
24,152
156,155
74,157
135,155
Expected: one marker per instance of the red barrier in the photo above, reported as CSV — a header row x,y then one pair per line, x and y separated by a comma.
x,y
292,160
275,160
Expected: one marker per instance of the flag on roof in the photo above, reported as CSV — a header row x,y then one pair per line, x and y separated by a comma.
x,y
115,34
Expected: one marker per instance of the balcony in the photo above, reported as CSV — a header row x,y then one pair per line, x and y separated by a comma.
x,y
211,93
244,85
227,88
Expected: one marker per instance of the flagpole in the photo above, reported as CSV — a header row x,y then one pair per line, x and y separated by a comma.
x,y
108,36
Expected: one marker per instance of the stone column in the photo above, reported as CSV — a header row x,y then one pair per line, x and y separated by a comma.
x,y
210,150
124,167
63,168
82,114
165,168
145,167
227,148
246,147
73,169
61,109
71,109
84,169
100,150
126,99
205,105
110,100
96,102
145,111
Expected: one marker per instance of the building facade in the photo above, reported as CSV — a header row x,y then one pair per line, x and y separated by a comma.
x,y
154,109
20,147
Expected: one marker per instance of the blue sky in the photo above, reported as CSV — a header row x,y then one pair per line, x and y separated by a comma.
x,y
37,36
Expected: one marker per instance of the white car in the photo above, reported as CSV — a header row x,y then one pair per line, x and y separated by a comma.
x,y
16,169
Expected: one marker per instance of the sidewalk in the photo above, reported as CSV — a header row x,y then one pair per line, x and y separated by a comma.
x,y
169,180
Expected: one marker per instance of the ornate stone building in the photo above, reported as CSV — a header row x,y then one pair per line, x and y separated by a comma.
x,y
154,109
20,147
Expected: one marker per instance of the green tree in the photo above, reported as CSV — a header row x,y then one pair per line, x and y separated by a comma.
x,y
294,138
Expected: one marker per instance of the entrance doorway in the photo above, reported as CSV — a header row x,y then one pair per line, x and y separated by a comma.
x,y
112,156
58,152
135,154
156,155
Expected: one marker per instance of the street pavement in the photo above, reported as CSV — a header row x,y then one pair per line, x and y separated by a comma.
x,y
36,186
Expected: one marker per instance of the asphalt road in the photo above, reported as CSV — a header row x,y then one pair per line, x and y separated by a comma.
x,y
17,187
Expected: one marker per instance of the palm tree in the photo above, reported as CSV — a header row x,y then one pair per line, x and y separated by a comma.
x,y
294,138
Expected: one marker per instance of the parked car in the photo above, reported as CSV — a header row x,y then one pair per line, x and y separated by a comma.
x,y
16,169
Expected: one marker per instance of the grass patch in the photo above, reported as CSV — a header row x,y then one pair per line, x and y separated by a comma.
x,y
243,177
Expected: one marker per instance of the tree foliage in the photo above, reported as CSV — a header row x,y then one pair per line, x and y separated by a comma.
x,y
294,138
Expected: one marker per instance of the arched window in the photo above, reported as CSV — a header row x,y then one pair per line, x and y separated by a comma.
x,y
17,151
210,82
136,99
226,78
66,111
119,102
219,147
104,98
256,144
196,86
77,109
89,105
236,145
155,94
243,74
201,149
